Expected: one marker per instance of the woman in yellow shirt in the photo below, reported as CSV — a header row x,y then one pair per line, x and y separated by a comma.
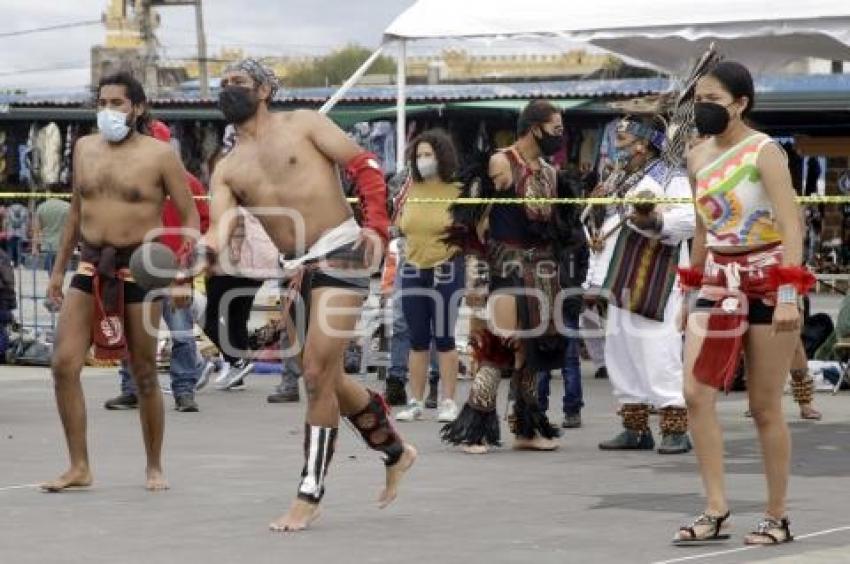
x,y
432,276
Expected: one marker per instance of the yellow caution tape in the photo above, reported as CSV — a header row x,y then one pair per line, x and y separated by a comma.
x,y
807,200
599,201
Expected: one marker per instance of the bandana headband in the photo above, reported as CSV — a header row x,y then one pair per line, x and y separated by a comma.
x,y
655,136
257,71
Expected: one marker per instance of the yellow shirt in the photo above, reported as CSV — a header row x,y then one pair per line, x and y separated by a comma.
x,y
425,224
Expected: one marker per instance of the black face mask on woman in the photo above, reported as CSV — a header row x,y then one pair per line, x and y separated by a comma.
x,y
549,143
711,118
238,103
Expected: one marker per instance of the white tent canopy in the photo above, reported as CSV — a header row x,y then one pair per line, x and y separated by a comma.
x,y
665,34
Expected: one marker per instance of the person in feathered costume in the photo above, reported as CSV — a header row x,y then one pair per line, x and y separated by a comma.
x,y
520,247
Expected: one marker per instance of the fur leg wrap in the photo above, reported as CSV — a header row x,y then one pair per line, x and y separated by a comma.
x,y
319,444
636,417
802,386
478,422
527,419
374,426
674,421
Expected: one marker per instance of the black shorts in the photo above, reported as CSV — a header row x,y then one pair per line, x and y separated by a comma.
x,y
759,314
133,293
358,279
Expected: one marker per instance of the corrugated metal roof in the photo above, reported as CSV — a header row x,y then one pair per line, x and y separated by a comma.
x,y
416,93
616,88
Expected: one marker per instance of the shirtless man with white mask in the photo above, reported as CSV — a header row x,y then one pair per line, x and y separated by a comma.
x,y
121,180
284,169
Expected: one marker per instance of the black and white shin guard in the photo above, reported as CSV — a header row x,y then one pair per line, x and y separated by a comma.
x,y
373,424
319,443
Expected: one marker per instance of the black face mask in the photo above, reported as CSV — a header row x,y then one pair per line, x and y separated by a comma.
x,y
710,118
548,143
238,103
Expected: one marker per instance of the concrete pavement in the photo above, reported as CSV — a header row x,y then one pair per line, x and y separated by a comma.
x,y
234,466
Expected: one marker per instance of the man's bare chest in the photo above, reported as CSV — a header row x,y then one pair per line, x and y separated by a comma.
x,y
123,179
276,171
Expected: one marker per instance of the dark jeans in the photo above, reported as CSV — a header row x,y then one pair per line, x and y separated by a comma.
x,y
13,247
6,319
49,260
573,399
185,366
228,328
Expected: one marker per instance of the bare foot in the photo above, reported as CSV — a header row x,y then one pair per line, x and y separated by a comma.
x,y
475,449
809,412
394,475
73,478
155,480
301,515
537,443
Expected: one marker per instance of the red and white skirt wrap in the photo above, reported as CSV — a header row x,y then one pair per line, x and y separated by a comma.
x,y
731,282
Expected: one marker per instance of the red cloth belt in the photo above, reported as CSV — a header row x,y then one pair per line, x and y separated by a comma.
x,y
731,282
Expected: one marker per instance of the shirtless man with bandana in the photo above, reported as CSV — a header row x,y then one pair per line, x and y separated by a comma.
x,y
283,168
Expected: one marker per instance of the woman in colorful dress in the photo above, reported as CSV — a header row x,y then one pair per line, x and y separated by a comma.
x,y
746,267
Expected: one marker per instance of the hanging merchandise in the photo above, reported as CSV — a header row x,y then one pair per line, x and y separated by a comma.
x,y
813,173
4,171
66,173
795,166
382,143
24,161
49,150
482,138
178,131
360,134
28,159
607,148
190,145
209,148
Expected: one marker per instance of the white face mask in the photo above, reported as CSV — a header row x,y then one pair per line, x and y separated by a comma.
x,y
427,167
113,125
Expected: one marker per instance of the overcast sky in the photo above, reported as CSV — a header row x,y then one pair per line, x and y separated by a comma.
x,y
60,59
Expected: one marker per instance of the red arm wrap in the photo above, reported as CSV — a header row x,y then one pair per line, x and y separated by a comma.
x,y
690,278
798,276
372,192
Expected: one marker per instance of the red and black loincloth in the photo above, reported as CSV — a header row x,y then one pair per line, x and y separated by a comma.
x,y
104,273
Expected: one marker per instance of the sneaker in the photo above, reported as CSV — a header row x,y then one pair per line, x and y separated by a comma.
x,y
287,392
124,401
235,377
412,413
630,440
432,399
222,373
206,372
601,373
395,393
448,411
571,421
674,443
185,403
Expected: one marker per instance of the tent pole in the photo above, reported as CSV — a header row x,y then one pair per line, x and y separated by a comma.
x,y
401,100
352,80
